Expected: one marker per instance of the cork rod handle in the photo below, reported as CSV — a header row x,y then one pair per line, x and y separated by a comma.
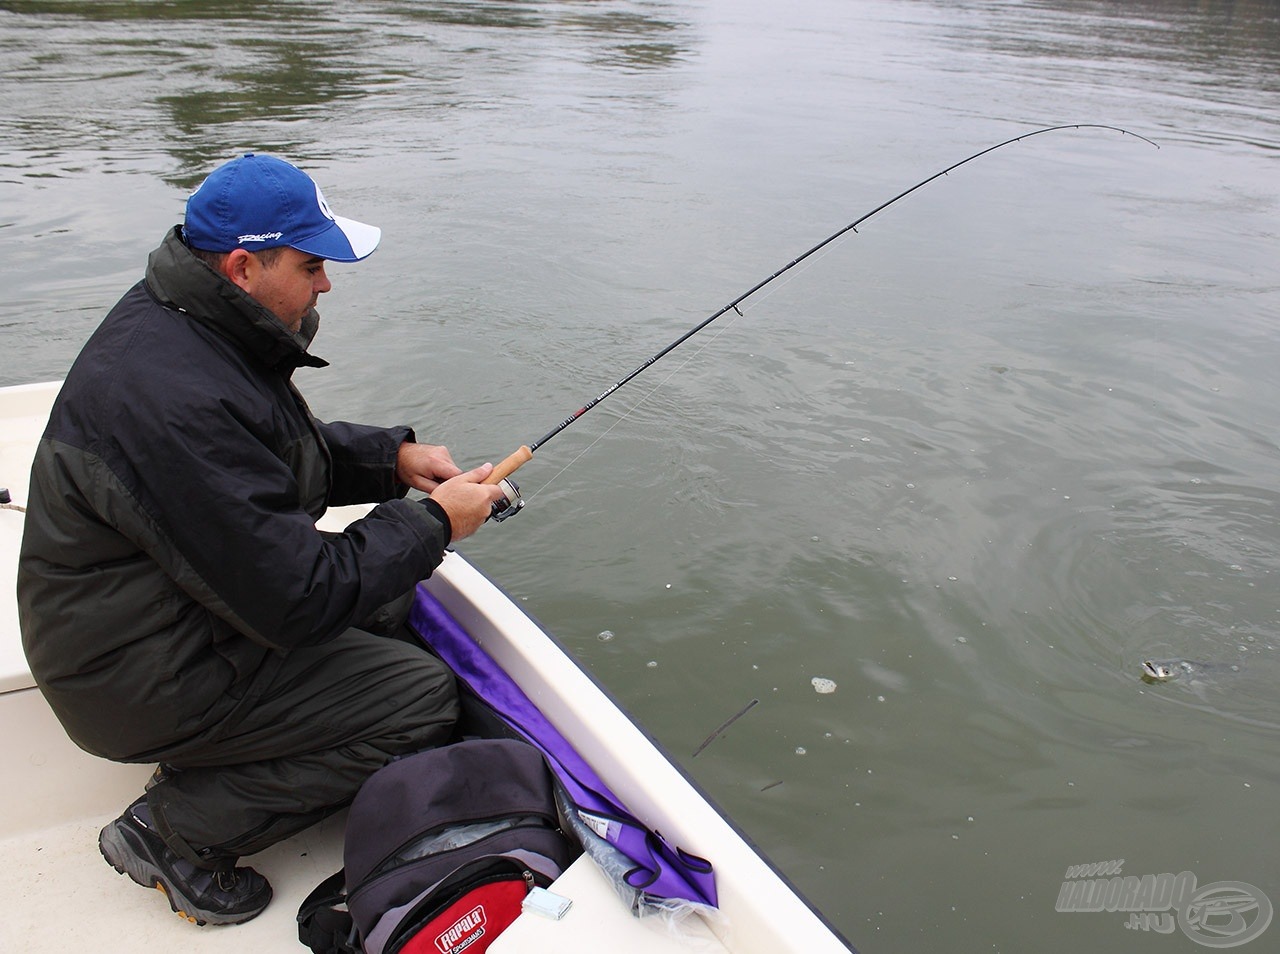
x,y
510,465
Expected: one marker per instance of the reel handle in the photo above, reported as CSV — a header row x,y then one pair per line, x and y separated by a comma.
x,y
510,465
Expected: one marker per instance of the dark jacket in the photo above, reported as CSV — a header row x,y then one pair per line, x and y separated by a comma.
x,y
170,554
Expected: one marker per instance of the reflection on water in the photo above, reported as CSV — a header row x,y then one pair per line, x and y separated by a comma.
x,y
1218,58
193,78
930,501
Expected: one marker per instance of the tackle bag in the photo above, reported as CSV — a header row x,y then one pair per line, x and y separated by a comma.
x,y
440,850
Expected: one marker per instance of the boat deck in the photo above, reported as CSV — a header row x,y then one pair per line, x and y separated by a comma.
x,y
66,897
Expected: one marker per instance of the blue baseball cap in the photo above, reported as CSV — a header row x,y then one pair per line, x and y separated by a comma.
x,y
259,202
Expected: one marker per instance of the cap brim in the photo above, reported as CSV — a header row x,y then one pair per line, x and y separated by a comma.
x,y
345,240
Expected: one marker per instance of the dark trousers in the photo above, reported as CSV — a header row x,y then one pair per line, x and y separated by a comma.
x,y
330,717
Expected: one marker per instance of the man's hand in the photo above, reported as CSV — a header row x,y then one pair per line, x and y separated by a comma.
x,y
425,466
467,500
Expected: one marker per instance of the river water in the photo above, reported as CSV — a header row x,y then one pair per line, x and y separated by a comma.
x,y
971,465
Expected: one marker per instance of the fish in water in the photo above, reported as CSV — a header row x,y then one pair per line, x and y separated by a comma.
x,y
1167,670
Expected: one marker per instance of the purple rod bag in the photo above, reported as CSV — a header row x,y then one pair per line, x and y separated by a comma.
x,y
660,871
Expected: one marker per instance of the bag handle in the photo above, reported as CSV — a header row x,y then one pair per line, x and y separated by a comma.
x,y
324,924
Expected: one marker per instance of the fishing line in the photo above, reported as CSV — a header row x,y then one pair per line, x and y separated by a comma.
x,y
525,453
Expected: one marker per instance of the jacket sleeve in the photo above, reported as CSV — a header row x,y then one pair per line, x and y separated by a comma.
x,y
219,510
364,461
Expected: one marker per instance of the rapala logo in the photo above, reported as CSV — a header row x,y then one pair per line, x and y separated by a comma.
x,y
463,932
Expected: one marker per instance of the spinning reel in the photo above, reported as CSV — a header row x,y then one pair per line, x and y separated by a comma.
x,y
510,504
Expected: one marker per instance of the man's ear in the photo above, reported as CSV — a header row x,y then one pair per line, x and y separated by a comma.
x,y
240,268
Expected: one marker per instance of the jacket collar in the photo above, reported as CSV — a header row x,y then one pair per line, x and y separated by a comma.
x,y
182,281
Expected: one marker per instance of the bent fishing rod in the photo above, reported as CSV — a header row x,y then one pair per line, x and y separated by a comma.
x,y
512,463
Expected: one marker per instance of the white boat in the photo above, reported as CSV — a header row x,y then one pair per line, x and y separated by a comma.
x,y
63,896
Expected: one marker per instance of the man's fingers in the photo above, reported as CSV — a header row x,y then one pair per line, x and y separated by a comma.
x,y
468,500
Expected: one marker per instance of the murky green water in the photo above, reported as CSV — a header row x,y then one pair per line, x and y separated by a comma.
x,y
973,464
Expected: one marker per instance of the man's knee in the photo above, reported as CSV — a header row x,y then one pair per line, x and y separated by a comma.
x,y
423,705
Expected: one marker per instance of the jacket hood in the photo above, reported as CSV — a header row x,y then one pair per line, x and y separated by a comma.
x,y
182,281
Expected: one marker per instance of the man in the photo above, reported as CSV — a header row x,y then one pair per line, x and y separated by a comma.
x,y
178,604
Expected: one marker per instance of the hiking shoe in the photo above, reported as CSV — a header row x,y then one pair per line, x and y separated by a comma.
x,y
226,895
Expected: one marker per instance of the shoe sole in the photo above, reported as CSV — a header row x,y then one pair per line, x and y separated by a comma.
x,y
126,860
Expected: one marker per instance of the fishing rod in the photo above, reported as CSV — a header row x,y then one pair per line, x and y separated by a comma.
x,y
515,461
